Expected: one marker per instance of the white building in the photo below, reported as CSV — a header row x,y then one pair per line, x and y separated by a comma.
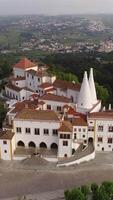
x,y
20,68
58,115
36,128
54,102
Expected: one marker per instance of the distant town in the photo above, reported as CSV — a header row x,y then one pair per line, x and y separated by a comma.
x,y
58,34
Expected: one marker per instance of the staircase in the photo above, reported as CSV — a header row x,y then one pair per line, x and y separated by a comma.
x,y
80,153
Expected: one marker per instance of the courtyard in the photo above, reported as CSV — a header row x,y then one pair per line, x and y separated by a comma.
x,y
45,181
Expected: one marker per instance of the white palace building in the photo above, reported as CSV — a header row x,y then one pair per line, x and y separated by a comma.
x,y
47,115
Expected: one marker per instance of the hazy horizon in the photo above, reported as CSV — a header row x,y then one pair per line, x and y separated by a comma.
x,y
53,7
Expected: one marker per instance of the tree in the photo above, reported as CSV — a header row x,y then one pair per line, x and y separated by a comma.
x,y
102,93
85,190
74,194
102,194
94,187
108,187
2,113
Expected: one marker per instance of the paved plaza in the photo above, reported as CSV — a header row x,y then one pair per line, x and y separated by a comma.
x,y
45,181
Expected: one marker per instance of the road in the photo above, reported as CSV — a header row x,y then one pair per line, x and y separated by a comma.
x,y
17,182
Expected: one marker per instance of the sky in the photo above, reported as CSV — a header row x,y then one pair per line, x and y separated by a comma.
x,y
55,7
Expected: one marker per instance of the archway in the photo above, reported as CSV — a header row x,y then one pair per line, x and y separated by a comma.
x,y
20,144
32,144
90,140
43,145
54,146
73,151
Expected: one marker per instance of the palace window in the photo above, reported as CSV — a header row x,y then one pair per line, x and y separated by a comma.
x,y
65,143
65,136
100,128
18,129
58,108
55,132
28,130
110,140
110,129
91,128
75,136
37,131
100,139
4,142
46,131
48,107
84,130
79,129
38,79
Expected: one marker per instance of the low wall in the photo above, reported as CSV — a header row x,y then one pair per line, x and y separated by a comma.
x,y
83,159
19,158
50,159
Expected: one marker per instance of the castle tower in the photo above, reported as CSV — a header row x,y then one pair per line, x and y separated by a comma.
x,y
84,100
92,87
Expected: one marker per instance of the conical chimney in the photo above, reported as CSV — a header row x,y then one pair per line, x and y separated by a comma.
x,y
84,99
92,87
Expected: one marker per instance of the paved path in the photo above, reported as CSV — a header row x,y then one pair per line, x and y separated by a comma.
x,y
51,182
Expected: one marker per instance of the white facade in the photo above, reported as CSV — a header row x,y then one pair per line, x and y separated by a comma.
x,y
18,72
54,105
48,139
19,83
65,145
7,147
103,133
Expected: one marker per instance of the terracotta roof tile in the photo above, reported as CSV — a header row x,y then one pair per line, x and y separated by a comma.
x,y
30,114
13,87
79,122
53,97
66,85
46,85
65,127
6,135
24,64
19,106
105,114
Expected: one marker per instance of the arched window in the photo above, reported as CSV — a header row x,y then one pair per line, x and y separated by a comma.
x,y
20,144
54,146
31,144
43,145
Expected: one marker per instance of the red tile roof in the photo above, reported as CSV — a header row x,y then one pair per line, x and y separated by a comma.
x,y
13,87
19,106
79,122
46,85
105,115
53,97
71,111
66,85
66,126
6,135
24,64
29,114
